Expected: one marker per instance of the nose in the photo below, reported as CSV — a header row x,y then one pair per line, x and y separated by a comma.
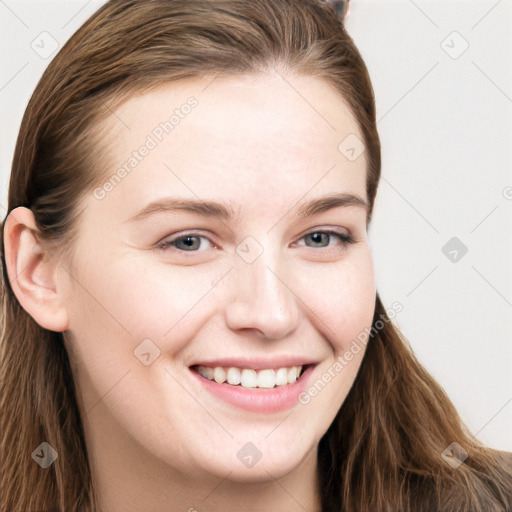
x,y
262,298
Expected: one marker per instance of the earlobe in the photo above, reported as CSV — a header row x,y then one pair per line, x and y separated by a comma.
x,y
32,271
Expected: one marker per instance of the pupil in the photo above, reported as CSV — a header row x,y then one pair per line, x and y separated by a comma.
x,y
317,237
189,241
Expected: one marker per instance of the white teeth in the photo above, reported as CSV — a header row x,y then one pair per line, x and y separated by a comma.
x,y
207,372
219,374
281,377
233,376
266,379
248,378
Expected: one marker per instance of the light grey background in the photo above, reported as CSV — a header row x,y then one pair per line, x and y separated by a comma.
x,y
445,121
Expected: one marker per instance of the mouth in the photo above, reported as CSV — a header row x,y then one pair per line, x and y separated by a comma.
x,y
247,389
248,378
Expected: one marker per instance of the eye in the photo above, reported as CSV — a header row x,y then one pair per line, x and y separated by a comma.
x,y
190,242
321,239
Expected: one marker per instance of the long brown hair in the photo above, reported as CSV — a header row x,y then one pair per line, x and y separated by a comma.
x,y
383,450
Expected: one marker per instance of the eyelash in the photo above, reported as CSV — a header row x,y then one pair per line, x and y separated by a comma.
x,y
344,239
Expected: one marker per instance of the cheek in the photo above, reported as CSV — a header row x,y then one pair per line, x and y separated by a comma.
x,y
342,297
342,304
170,302
124,301
135,300
116,306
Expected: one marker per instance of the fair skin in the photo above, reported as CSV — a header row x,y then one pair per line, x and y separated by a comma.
x,y
156,439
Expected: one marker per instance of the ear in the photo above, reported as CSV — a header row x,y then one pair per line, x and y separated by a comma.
x,y
32,271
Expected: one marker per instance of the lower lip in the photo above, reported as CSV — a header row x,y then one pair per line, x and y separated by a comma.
x,y
260,400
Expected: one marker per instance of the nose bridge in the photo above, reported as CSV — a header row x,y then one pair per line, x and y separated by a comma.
x,y
260,296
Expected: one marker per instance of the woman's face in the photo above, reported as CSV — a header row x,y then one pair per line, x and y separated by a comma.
x,y
259,284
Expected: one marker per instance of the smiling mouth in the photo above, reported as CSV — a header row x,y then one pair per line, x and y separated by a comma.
x,y
252,379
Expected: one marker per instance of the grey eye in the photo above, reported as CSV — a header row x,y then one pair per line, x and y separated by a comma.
x,y
318,239
188,243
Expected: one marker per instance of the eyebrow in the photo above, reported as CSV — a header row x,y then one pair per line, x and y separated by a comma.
x,y
207,208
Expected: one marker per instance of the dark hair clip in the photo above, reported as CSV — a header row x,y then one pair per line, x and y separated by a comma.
x,y
339,8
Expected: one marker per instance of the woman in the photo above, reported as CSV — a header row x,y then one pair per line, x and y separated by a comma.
x,y
190,313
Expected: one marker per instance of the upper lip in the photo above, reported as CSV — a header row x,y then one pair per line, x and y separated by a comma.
x,y
257,363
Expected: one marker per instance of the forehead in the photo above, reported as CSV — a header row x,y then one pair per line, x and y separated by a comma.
x,y
234,137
